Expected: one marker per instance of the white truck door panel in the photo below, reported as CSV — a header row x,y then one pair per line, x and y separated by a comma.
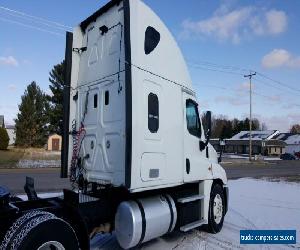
x,y
153,158
152,166
196,165
103,147
101,98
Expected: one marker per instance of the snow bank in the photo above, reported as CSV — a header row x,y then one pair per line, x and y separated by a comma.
x,y
254,204
38,163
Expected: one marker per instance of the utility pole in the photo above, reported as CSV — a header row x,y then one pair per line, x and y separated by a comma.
x,y
250,120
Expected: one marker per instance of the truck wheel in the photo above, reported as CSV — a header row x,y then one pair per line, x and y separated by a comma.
x,y
216,209
42,232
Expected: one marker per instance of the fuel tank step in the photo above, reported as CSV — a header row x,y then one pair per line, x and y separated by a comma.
x,y
192,225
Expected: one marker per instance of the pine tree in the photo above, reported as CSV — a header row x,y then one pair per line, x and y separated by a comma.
x,y
4,139
55,112
32,119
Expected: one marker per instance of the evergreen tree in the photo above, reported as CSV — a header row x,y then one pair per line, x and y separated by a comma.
x,y
32,119
55,112
4,139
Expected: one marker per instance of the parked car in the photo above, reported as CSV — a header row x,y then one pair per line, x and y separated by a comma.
x,y
297,154
287,156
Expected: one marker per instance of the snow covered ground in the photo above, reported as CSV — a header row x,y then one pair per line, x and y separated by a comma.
x,y
246,157
253,204
29,163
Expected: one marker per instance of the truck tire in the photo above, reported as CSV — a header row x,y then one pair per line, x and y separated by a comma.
x,y
41,231
216,211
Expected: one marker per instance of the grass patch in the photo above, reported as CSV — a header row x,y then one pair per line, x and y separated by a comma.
x,y
40,154
9,158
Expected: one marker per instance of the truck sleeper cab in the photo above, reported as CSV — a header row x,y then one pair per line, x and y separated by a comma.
x,y
133,144
139,111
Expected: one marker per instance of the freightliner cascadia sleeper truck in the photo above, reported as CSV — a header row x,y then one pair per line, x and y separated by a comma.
x,y
134,147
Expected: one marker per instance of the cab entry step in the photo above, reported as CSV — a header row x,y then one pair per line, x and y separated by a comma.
x,y
193,225
190,198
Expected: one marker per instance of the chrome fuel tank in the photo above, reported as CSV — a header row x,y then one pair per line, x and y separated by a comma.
x,y
141,220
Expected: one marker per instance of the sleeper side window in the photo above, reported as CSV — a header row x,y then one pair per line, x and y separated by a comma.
x,y
152,38
153,113
106,97
95,101
192,118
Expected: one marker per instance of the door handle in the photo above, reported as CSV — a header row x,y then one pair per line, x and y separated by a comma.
x,y
187,166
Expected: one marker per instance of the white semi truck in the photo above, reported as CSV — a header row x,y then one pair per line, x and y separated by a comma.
x,y
134,146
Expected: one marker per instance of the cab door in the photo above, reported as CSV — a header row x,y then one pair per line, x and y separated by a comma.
x,y
197,164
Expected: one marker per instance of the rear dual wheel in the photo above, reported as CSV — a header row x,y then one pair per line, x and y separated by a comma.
x,y
42,231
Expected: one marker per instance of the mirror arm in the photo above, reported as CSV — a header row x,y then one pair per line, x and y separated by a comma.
x,y
207,137
221,152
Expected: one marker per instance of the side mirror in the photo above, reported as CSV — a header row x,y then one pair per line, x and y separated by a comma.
x,y
208,124
202,145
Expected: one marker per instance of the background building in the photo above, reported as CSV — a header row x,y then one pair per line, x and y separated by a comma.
x,y
263,143
292,142
2,125
11,133
54,142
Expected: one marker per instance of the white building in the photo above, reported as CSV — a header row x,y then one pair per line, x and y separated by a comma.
x,y
292,142
11,133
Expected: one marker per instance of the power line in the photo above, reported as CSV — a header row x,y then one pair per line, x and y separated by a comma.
x,y
206,63
31,26
278,82
35,17
233,70
216,70
235,92
36,21
281,88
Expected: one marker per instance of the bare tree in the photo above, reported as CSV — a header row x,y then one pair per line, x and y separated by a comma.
x,y
295,129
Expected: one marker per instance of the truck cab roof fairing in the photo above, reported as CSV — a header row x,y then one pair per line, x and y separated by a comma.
x,y
142,18
166,59
84,24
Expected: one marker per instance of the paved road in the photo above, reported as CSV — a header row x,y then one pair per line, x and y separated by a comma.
x,y
276,169
48,179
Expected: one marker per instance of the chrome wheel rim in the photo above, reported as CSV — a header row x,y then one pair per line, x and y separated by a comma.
x,y
218,209
51,245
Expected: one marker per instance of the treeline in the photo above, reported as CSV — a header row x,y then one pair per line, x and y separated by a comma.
x,y
40,114
225,128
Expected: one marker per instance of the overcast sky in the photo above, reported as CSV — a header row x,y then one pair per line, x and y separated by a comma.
x,y
221,41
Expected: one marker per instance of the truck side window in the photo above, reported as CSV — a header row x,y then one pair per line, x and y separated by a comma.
x,y
106,97
152,38
192,118
95,101
153,113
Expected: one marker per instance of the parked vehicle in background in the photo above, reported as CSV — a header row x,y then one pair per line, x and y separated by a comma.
x,y
287,156
297,154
